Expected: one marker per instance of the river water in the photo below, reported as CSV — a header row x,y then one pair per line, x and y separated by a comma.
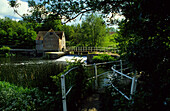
x,y
22,60
36,72
33,72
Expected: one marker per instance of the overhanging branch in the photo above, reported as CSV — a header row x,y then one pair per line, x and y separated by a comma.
x,y
77,15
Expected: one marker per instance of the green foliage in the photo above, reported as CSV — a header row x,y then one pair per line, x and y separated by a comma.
x,y
77,78
4,50
69,34
103,58
143,39
19,98
109,41
140,102
16,34
116,102
30,75
91,32
51,24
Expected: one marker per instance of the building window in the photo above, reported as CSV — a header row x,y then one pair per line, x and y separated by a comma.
x,y
51,33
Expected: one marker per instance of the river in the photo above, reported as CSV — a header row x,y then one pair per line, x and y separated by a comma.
x,y
33,72
23,60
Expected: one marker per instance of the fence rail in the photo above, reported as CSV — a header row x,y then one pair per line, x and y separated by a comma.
x,y
133,85
63,88
93,49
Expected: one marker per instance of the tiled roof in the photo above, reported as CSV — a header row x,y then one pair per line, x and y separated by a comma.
x,y
42,33
112,33
59,33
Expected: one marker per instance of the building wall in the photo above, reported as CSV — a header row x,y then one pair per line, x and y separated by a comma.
x,y
63,41
51,41
39,44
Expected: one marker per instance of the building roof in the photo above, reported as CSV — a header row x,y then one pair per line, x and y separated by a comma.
x,y
41,34
112,33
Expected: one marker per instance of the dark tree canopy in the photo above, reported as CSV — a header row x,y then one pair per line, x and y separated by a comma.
x,y
67,9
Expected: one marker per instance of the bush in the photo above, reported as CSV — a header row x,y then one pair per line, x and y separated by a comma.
x,y
4,50
19,98
77,78
103,58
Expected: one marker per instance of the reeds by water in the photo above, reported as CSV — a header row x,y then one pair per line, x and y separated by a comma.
x,y
30,75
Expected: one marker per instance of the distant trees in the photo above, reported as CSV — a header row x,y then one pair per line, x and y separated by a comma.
x,y
16,34
93,30
22,34
50,23
90,33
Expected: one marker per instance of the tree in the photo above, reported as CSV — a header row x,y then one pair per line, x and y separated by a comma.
x,y
16,34
77,40
93,31
69,31
144,39
51,24
90,33
65,9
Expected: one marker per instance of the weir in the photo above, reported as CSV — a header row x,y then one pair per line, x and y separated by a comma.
x,y
54,54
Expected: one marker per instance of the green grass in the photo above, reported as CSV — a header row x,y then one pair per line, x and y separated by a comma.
x,y
103,58
109,41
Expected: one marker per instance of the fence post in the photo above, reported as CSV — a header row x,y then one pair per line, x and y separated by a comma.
x,y
114,71
63,89
135,82
95,69
121,68
133,85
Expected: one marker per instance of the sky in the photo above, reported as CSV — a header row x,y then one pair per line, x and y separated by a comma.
x,y
7,11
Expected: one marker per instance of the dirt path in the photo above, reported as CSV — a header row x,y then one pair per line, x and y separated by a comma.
x,y
95,101
92,103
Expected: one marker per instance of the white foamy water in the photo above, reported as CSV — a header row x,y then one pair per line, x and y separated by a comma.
x,y
71,58
62,60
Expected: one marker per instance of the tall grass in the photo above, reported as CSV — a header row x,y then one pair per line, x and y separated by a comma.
x,y
30,75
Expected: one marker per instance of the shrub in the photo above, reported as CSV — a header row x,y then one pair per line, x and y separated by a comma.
x,y
4,50
103,58
77,78
18,98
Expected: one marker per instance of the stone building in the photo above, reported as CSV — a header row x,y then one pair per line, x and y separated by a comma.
x,y
50,41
